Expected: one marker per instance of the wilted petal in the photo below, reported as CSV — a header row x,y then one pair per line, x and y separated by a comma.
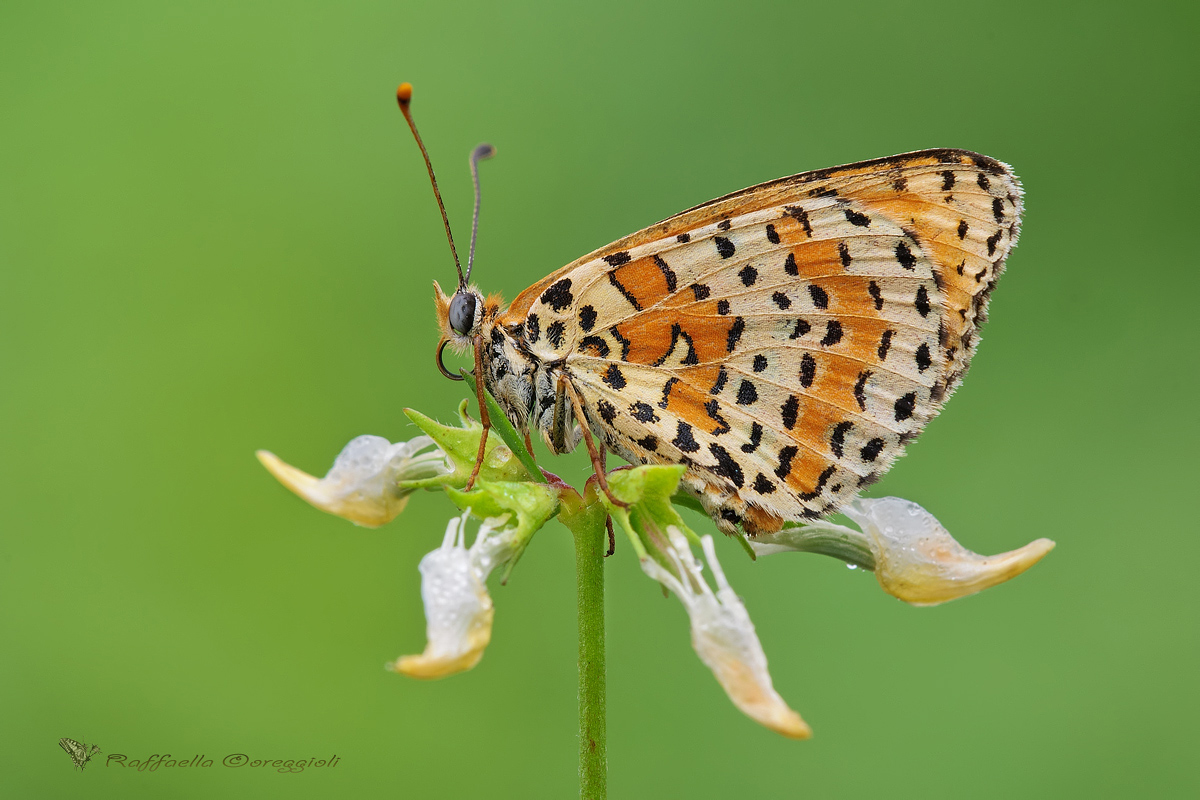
x,y
918,561
724,636
458,609
361,486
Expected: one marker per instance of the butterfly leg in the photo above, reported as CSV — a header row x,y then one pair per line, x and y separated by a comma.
x,y
564,384
484,417
612,539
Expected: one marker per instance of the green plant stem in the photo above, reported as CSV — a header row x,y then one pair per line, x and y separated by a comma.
x,y
591,543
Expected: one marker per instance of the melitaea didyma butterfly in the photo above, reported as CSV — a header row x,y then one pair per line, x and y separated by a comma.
x,y
784,342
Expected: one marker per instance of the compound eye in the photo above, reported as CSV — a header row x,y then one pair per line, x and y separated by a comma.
x,y
462,313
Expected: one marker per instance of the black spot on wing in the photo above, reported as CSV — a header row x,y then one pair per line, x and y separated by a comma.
x,y
786,454
844,254
666,392
559,296
724,247
748,274
735,333
700,290
722,377
533,329
860,395
614,378
837,440
643,412
947,180
555,334
922,301
885,343
763,484
782,300
649,443
587,318
998,209
833,333
760,362
789,411
756,432
684,439
857,218
904,255
607,411
683,238
724,225
802,328
963,227
713,409
790,266
905,405
772,235
668,274
923,358
808,370
992,241
747,394
871,450
618,259
876,295
722,307
820,297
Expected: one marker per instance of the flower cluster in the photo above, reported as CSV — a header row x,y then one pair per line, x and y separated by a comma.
x,y
913,557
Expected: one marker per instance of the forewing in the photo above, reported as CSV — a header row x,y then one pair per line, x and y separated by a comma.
x,y
787,341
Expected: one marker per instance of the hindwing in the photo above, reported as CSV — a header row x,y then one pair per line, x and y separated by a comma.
x,y
787,341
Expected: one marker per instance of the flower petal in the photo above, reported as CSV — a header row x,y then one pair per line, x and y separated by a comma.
x,y
724,637
918,561
361,486
458,608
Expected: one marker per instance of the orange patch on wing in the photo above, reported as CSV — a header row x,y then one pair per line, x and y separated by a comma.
x,y
703,377
652,335
642,280
849,295
817,258
687,403
806,471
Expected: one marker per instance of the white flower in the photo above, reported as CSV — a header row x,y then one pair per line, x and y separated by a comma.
x,y
723,636
458,609
916,559
361,484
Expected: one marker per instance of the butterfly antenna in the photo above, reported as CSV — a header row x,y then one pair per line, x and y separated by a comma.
x,y
404,97
481,152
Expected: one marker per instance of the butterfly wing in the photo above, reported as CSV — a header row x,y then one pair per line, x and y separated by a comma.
x,y
787,341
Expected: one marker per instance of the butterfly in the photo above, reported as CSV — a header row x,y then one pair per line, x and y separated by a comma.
x,y
785,342
80,753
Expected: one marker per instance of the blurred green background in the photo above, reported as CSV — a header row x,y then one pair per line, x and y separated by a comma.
x,y
216,235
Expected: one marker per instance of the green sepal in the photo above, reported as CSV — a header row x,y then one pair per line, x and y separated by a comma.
x,y
461,446
648,490
528,505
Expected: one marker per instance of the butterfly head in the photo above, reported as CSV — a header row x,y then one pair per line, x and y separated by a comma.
x,y
460,315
